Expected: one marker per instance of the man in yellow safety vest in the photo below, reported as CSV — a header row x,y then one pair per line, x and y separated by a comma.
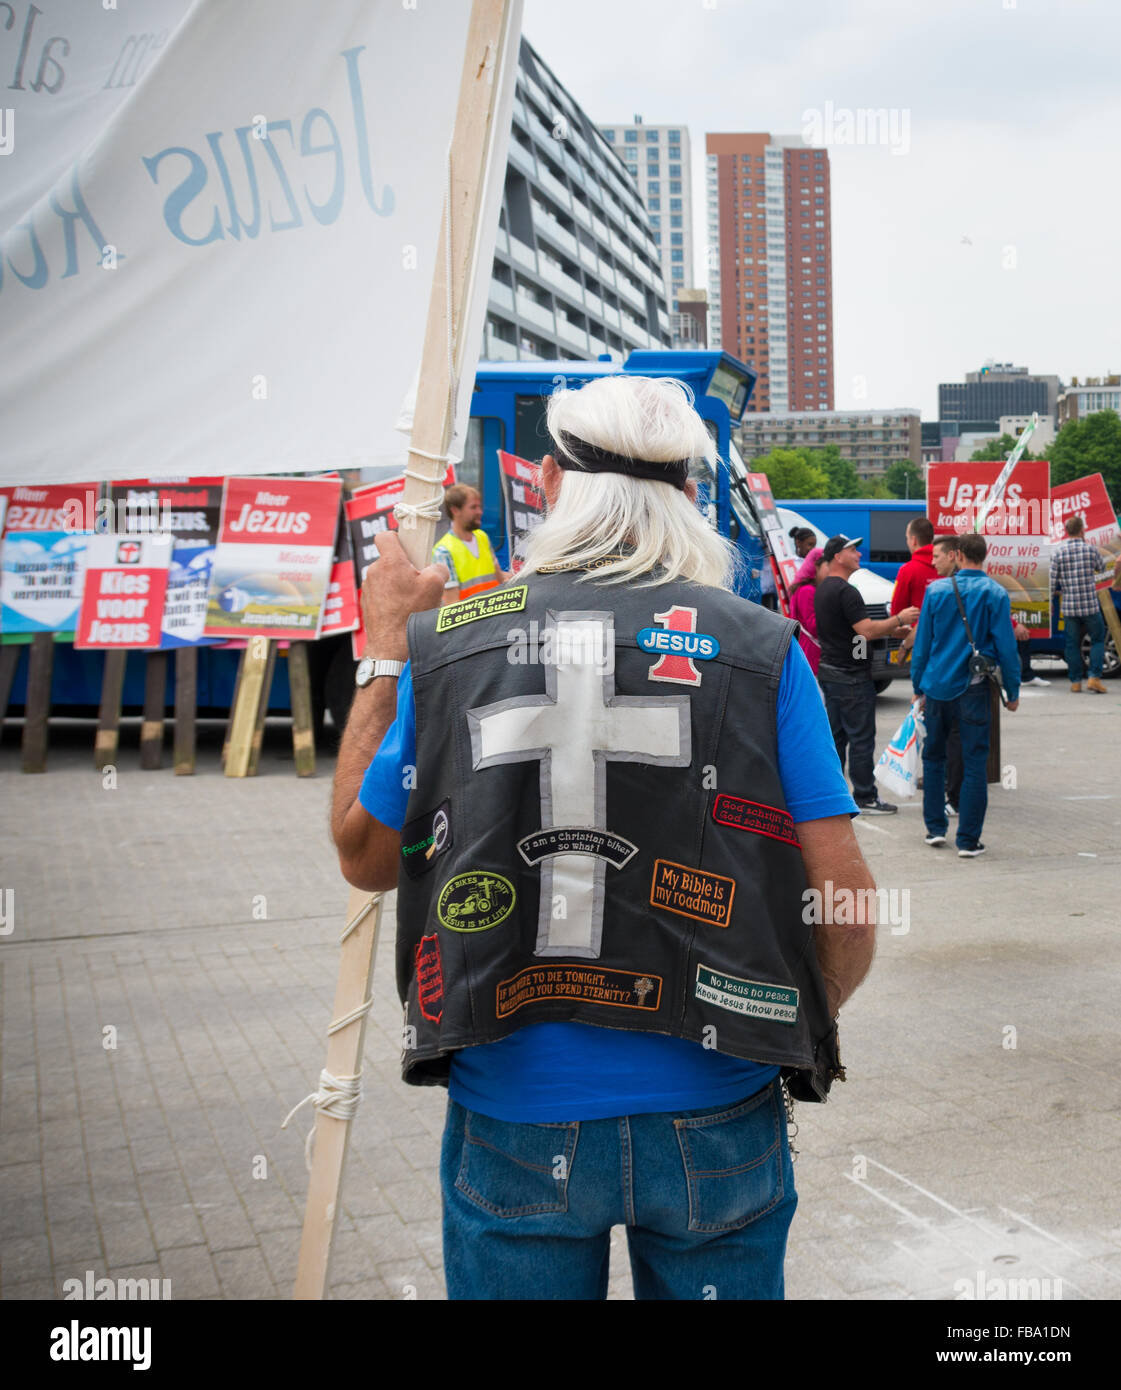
x,y
466,548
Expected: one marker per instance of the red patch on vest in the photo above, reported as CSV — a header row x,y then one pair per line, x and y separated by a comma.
x,y
755,817
679,670
430,979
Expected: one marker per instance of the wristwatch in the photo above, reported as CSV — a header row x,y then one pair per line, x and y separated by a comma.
x,y
369,670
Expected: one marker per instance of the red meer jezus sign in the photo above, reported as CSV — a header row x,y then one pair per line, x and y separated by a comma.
x,y
273,564
123,599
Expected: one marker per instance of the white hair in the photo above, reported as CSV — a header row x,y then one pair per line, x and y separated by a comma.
x,y
651,527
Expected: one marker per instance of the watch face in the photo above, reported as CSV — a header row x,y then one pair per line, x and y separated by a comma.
x,y
365,671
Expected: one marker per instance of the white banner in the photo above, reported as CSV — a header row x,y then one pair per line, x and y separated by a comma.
x,y
230,271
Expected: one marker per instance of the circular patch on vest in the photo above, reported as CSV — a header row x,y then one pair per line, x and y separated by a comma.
x,y
475,902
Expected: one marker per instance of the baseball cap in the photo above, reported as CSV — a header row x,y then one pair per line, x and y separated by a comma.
x,y
838,543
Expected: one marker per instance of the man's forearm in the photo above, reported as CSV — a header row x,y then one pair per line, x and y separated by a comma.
x,y
833,862
371,715
367,849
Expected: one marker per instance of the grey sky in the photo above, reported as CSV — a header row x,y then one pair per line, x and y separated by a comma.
x,y
1014,113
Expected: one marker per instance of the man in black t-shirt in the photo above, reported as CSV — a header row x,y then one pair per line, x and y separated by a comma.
x,y
844,630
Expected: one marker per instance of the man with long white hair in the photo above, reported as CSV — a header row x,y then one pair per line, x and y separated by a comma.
x,y
610,801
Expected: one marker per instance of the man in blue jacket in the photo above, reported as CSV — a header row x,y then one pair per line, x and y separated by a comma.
x,y
941,677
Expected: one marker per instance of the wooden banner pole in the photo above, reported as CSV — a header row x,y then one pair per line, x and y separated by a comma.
x,y
432,426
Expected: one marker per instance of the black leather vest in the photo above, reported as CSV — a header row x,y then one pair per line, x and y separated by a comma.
x,y
597,831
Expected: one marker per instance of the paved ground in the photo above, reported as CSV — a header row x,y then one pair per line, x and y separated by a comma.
x,y
979,1135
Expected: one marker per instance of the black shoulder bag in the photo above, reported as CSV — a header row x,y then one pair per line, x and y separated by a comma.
x,y
979,663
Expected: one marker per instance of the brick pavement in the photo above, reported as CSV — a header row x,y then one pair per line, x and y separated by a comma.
x,y
175,912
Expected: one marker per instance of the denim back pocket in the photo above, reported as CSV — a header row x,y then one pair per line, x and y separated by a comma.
x,y
516,1169
733,1163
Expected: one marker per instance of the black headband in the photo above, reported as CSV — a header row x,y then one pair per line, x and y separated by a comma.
x,y
579,456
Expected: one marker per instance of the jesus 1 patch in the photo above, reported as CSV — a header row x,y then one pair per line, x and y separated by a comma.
x,y
425,839
692,892
755,817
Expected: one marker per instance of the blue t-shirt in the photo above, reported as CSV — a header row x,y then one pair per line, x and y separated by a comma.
x,y
549,1073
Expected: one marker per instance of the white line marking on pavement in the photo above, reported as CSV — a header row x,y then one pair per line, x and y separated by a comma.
x,y
877,828
990,1230
1040,1231
1102,796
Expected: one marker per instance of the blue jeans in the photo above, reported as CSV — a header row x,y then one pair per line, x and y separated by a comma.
x,y
852,722
706,1197
972,713
1076,625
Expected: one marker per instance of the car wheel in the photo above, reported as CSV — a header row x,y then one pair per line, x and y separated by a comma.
x,y
881,686
1111,664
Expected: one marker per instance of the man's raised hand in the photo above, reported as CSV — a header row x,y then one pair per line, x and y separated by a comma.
x,y
394,588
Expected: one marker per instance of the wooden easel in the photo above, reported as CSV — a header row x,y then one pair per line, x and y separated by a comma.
x,y
479,87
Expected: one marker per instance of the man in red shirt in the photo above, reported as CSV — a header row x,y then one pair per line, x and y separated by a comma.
x,y
919,571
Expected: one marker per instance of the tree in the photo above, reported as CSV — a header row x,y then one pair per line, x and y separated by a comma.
x,y
791,474
841,472
996,450
1091,445
903,479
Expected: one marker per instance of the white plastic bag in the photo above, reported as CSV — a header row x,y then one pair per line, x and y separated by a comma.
x,y
900,764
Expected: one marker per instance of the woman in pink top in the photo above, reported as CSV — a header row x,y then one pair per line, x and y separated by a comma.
x,y
802,603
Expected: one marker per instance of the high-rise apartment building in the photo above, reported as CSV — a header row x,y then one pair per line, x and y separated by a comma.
x,y
657,158
576,269
770,265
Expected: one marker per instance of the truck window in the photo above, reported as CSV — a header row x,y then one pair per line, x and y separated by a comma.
x,y
887,535
531,437
486,434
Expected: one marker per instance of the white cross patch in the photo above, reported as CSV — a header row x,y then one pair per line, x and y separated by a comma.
x,y
574,729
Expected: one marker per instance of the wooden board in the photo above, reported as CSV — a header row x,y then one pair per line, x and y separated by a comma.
x,y
233,706
247,700
303,730
107,738
155,697
186,709
37,706
1112,618
262,712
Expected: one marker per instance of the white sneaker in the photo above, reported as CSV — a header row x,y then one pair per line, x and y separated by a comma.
x,y
1036,680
